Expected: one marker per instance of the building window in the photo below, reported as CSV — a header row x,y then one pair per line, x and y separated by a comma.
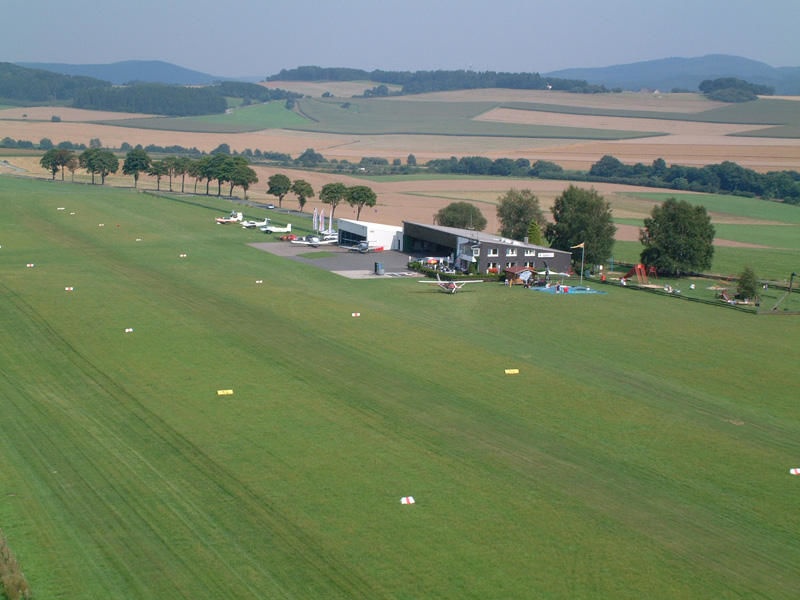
x,y
476,251
530,252
510,265
492,267
511,251
529,263
493,252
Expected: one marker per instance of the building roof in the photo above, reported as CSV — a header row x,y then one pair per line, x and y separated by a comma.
x,y
480,236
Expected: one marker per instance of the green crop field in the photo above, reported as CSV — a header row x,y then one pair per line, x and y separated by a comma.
x,y
371,116
271,115
642,451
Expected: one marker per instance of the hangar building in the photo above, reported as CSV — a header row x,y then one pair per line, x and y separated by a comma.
x,y
488,253
388,237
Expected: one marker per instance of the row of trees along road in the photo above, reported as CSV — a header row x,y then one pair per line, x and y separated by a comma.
x,y
222,168
333,194
677,237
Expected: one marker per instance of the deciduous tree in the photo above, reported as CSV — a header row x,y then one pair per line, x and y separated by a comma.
x,y
582,217
303,190
333,194
242,175
678,238
461,214
278,185
157,169
136,161
360,196
99,162
747,287
516,210
56,159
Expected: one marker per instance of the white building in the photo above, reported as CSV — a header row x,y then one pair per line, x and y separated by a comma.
x,y
377,235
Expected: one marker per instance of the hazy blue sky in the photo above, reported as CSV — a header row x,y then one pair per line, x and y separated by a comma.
x,y
260,37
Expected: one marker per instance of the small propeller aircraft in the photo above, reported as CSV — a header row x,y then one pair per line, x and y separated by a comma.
x,y
451,287
234,217
269,228
309,240
254,224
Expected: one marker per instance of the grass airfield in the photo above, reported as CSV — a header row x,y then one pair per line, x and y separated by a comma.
x,y
643,450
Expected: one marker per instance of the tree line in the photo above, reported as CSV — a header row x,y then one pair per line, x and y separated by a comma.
x,y
332,194
731,89
219,168
234,171
22,84
726,177
417,82
677,237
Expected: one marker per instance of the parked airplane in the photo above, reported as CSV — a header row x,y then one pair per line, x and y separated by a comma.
x,y
364,247
254,224
234,217
330,237
276,229
309,240
451,287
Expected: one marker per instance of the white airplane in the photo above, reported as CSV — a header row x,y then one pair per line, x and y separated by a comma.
x,y
364,247
276,229
234,217
309,240
254,224
451,287
328,239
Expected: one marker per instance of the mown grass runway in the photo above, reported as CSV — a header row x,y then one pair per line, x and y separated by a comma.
x,y
643,450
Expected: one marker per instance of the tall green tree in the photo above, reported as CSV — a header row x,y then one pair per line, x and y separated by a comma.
x,y
242,175
278,185
136,161
360,196
182,168
464,215
56,159
157,169
747,286
303,190
98,161
516,210
333,194
678,238
582,217
216,169
171,163
195,171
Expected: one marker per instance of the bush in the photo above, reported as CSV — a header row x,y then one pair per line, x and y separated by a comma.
x,y
747,287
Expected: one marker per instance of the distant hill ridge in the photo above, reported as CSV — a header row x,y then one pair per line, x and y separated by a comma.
x,y
667,74
663,74
128,71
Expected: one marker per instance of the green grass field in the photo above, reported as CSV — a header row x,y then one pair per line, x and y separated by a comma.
x,y
772,225
370,116
271,115
643,450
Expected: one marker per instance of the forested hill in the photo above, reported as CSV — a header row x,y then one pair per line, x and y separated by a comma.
x,y
667,74
23,86
19,84
418,82
128,71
